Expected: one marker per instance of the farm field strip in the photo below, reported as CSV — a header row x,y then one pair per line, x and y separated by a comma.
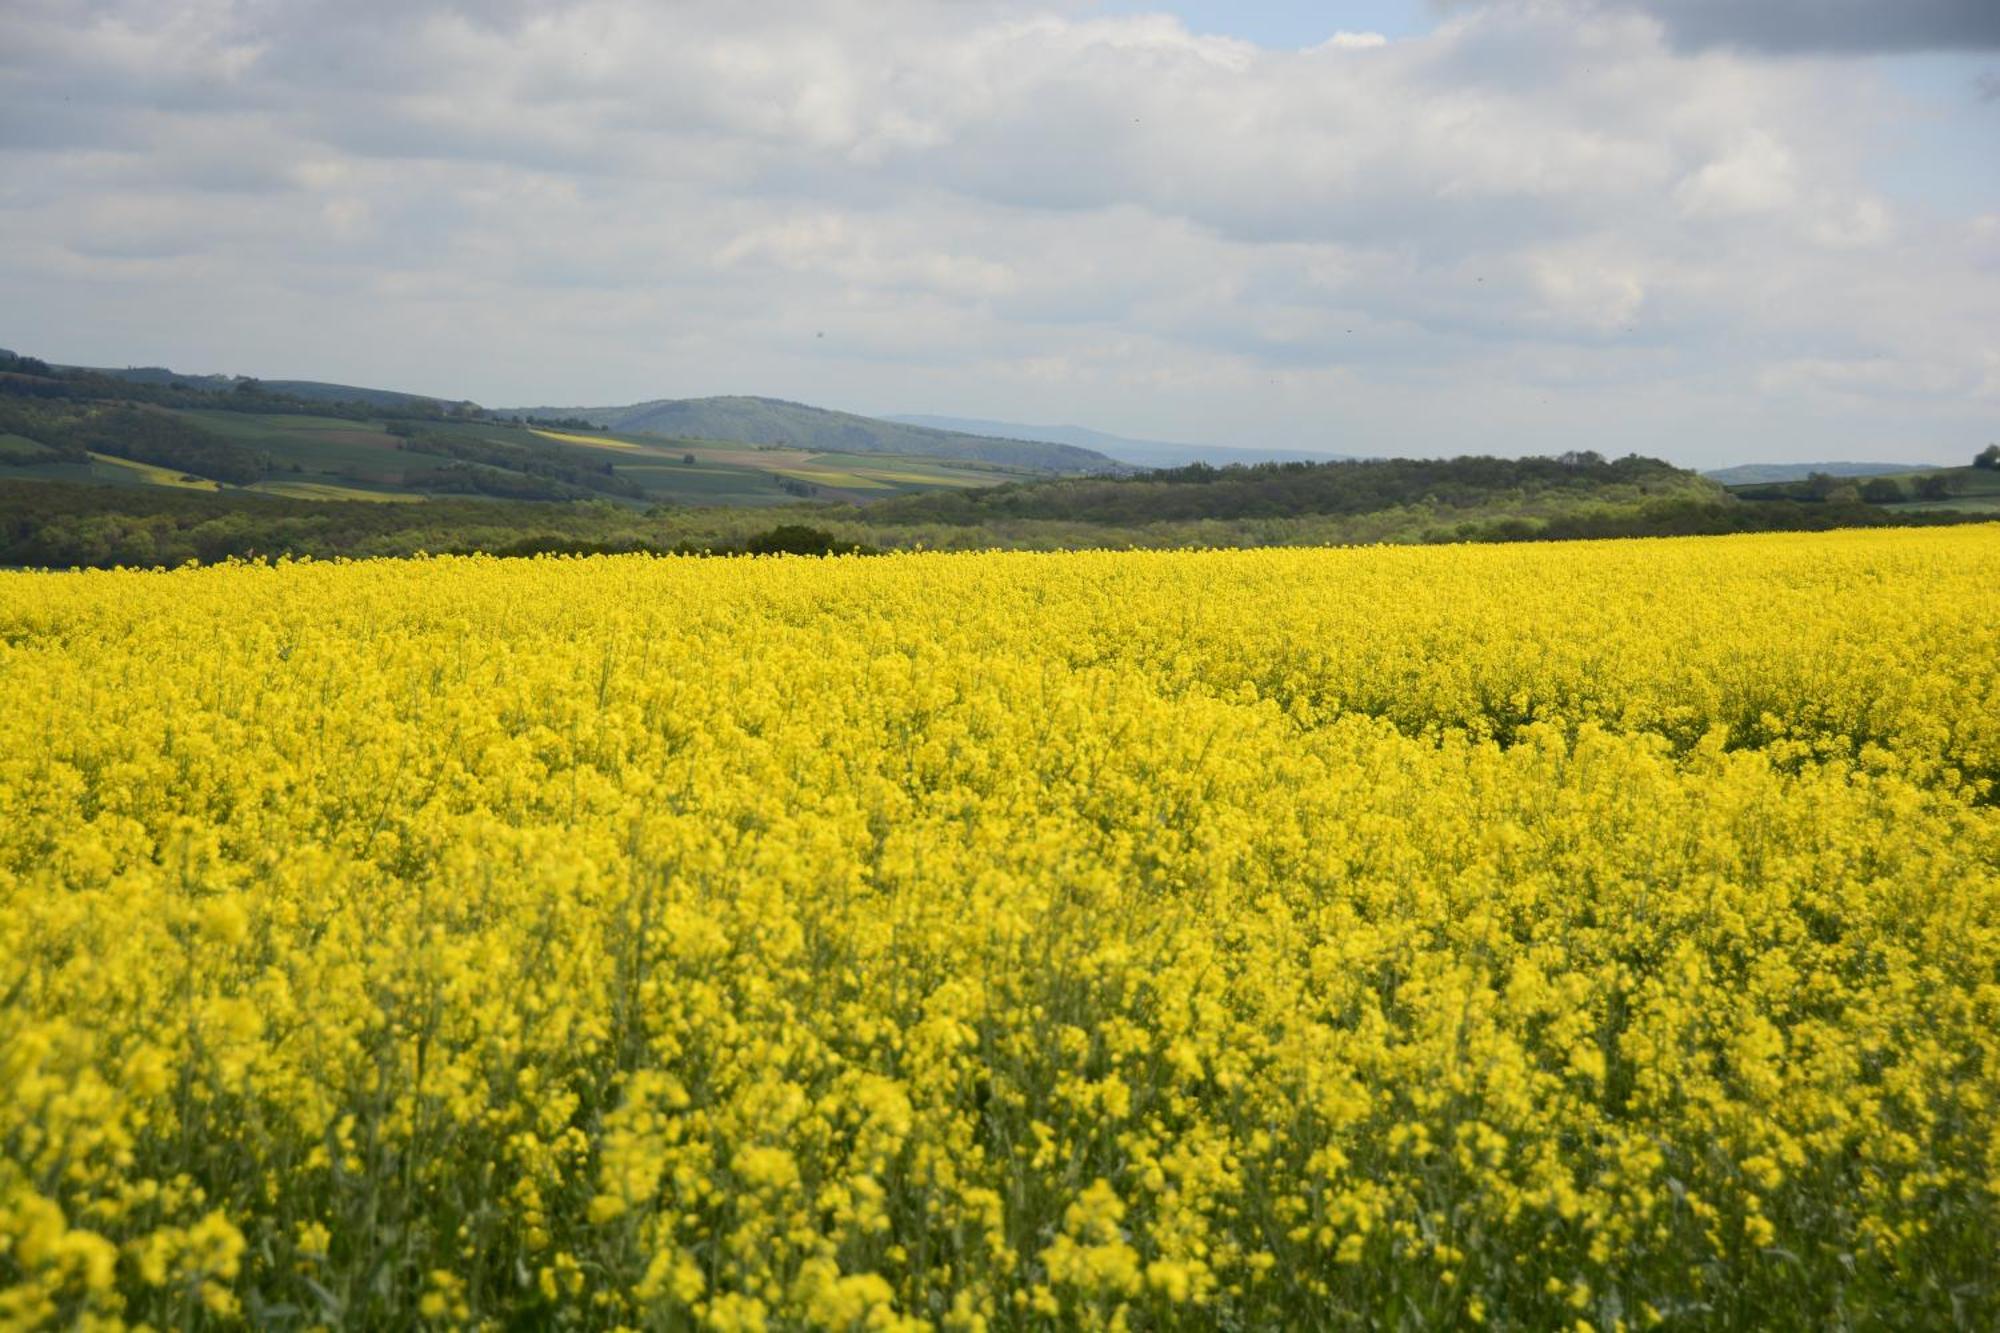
x,y
590,441
151,474
322,490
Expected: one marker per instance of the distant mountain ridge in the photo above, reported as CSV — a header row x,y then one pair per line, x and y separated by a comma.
x,y
1139,453
775,421
320,391
156,375
1754,474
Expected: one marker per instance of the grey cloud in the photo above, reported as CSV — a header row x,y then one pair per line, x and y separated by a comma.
x,y
1835,25
1817,26
982,205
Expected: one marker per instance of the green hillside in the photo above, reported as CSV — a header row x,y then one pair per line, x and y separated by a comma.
x,y
772,421
1138,453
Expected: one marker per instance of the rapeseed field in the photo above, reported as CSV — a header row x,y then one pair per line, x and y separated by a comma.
x,y
1587,936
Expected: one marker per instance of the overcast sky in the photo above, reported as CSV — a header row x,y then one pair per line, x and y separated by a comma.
x,y
1709,230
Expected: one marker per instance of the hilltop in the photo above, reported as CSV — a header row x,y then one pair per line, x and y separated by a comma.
x,y
764,423
1138,453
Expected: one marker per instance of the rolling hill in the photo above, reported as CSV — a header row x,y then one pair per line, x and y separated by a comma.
x,y
767,422
774,421
1138,453
153,428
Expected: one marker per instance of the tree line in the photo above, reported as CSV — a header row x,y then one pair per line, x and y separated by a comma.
x,y
1282,490
32,377
1824,487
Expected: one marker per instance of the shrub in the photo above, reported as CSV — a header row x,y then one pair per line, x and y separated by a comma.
x,y
793,539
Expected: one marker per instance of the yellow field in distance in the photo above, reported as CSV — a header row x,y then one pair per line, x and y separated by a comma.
x,y
594,441
153,474
323,490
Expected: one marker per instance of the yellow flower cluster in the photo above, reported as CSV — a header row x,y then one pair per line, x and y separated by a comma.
x,y
1591,935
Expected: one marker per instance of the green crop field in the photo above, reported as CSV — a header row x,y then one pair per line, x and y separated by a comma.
x,y
321,445
726,472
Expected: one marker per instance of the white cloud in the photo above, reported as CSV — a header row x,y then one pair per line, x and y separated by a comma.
x,y
1352,41
1541,226
1752,176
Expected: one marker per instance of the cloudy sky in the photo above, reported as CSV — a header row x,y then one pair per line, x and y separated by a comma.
x,y
1705,229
